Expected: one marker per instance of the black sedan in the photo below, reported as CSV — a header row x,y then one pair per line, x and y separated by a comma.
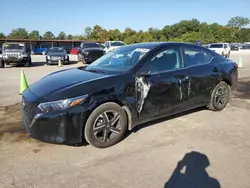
x,y
124,88
55,54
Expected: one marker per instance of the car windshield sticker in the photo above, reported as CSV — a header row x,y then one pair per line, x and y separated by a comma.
x,y
5,44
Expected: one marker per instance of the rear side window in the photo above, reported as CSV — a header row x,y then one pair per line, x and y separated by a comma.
x,y
196,56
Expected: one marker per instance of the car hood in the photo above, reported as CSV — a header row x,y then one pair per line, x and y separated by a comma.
x,y
13,51
61,84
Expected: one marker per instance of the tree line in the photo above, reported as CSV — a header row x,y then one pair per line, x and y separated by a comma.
x,y
184,31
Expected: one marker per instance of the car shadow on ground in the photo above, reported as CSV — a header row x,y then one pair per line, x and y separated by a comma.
x,y
191,172
243,89
155,122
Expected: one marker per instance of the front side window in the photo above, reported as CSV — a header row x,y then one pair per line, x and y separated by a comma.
x,y
196,56
120,60
167,60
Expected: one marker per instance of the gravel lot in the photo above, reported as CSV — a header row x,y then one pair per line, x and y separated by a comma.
x,y
215,146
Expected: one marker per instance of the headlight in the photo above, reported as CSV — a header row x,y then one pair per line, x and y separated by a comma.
x,y
66,57
60,105
86,53
48,57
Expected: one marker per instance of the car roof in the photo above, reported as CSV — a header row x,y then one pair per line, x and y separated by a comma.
x,y
60,48
90,43
151,45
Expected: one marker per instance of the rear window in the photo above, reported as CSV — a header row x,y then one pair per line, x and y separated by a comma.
x,y
216,46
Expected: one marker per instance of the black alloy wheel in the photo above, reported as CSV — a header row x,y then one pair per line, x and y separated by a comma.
x,y
106,125
220,97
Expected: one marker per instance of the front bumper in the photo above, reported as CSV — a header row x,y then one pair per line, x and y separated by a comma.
x,y
91,57
54,62
15,60
57,127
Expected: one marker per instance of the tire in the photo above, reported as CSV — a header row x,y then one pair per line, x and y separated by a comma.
x,y
2,64
28,63
220,92
97,137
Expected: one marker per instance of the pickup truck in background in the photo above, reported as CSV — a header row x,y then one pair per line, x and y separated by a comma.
x,y
89,52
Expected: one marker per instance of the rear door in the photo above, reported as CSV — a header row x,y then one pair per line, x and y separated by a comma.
x,y
203,73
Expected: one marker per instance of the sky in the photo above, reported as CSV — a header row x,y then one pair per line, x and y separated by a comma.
x,y
73,16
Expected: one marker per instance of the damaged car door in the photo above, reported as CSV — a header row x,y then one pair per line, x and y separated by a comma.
x,y
203,74
161,84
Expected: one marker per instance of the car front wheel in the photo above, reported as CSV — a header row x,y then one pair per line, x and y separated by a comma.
x,y
219,97
106,125
27,63
2,64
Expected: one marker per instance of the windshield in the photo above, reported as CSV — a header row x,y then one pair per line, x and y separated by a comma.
x,y
57,50
117,44
120,60
91,45
216,46
13,46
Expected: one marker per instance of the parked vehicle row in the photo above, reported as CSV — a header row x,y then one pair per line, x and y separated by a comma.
x,y
88,52
221,48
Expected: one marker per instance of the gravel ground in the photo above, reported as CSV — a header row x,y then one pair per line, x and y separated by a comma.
x,y
214,147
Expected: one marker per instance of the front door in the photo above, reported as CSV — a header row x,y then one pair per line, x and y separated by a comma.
x,y
161,84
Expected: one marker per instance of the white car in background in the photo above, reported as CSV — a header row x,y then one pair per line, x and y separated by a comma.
x,y
221,48
112,45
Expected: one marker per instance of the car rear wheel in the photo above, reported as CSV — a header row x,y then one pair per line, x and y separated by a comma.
x,y
219,97
106,125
